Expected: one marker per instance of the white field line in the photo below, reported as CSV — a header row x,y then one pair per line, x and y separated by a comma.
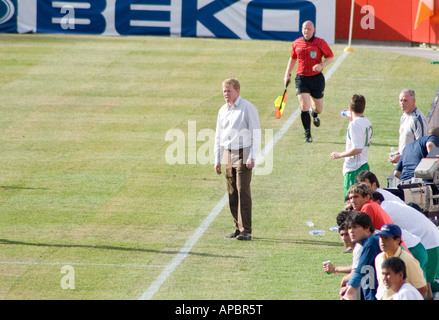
x,y
184,251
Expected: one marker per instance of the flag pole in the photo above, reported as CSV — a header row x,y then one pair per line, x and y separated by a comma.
x,y
349,48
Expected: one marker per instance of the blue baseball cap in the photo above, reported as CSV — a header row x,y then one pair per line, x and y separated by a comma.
x,y
390,230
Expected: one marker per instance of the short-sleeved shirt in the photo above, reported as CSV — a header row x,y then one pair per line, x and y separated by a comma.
x,y
376,213
412,155
411,127
415,275
364,276
309,53
358,136
407,292
389,196
414,221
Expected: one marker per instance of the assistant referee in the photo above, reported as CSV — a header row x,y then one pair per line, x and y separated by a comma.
x,y
308,51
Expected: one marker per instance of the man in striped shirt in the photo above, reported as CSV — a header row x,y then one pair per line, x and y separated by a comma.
x,y
412,125
308,51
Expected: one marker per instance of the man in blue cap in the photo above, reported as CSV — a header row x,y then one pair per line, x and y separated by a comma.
x,y
390,245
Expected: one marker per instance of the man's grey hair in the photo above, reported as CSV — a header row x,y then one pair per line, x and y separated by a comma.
x,y
410,92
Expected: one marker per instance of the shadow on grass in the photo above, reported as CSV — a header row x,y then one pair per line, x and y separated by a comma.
x,y
344,143
105,247
21,188
302,241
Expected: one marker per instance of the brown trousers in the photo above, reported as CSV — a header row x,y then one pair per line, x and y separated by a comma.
x,y
238,187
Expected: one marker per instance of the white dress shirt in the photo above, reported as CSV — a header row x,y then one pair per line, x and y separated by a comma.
x,y
237,127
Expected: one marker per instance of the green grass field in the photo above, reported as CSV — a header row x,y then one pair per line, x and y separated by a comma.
x,y
85,182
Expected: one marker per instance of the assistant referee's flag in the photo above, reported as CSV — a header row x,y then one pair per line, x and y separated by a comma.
x,y
279,103
425,11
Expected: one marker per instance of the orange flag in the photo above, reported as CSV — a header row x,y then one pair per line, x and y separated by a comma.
x,y
279,104
425,11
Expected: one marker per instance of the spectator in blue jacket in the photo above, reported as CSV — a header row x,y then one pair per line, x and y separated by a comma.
x,y
413,154
361,230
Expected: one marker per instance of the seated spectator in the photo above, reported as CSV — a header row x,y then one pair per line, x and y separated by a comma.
x,y
390,245
360,196
344,235
413,154
355,248
361,230
371,180
419,225
393,273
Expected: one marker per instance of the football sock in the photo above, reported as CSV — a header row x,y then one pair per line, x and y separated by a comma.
x,y
306,120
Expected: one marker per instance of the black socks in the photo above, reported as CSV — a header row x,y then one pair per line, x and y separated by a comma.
x,y
306,120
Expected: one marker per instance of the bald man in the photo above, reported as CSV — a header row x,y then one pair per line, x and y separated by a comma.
x,y
308,51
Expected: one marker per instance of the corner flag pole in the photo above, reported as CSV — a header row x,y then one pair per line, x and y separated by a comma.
x,y
349,48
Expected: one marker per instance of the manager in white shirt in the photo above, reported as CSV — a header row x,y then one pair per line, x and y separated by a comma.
x,y
237,142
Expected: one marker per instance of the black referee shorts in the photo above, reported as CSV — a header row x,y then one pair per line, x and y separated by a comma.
x,y
314,85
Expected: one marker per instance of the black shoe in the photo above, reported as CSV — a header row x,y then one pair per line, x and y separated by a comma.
x,y
308,137
316,118
244,236
233,235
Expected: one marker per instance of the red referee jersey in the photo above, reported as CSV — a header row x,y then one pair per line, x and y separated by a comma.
x,y
309,53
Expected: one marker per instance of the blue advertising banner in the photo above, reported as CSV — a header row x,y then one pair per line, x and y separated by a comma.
x,y
8,16
258,12
79,17
239,19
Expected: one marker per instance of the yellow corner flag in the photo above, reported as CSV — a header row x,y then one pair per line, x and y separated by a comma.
x,y
279,104
425,11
